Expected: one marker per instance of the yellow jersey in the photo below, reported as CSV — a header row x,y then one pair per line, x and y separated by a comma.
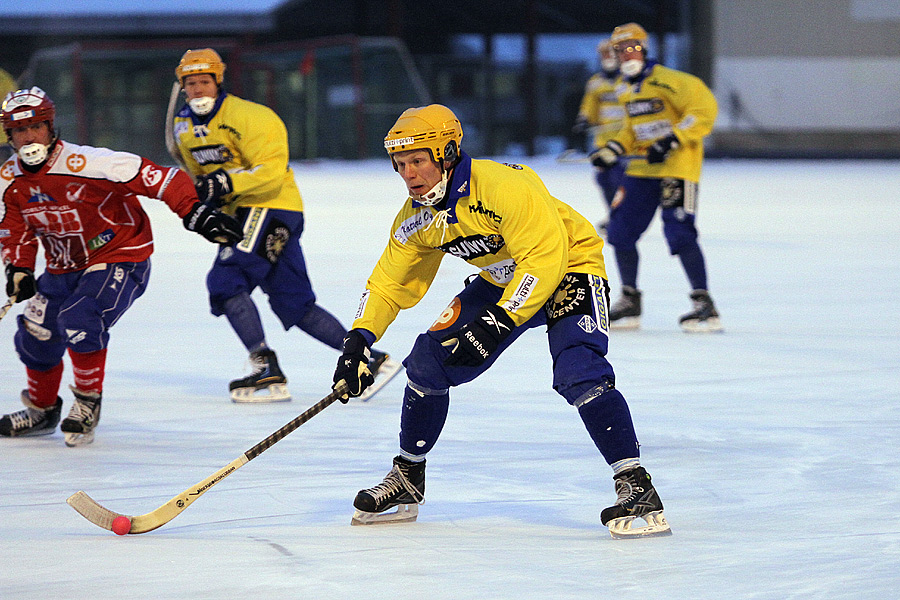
x,y
666,102
498,217
250,142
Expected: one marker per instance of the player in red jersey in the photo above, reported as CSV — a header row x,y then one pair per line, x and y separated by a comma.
x,y
81,203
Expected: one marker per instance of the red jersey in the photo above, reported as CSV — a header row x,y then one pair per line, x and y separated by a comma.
x,y
83,206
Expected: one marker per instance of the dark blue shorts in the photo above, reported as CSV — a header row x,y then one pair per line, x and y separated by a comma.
x,y
577,331
76,310
630,219
270,257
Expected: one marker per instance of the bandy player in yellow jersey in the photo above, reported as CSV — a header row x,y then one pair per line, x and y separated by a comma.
x,y
237,151
541,265
667,115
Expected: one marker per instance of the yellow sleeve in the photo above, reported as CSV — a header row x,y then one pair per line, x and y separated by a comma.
x,y
698,109
400,279
264,150
590,102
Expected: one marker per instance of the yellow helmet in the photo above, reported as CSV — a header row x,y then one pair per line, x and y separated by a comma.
x,y
626,32
434,128
197,62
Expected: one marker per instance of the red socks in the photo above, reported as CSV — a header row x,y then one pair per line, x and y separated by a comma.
x,y
89,369
43,386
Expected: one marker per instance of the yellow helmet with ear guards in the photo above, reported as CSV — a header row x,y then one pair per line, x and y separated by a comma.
x,y
434,128
197,62
626,32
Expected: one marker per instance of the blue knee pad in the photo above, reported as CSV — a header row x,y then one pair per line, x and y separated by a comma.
x,y
422,419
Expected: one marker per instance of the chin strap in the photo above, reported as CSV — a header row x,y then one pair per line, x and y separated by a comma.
x,y
202,106
435,194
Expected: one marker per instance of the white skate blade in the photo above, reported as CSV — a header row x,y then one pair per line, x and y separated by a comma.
x,y
277,392
387,371
74,440
405,513
626,324
711,325
657,526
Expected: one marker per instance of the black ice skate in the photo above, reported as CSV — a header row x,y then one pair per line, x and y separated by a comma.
x,y
79,426
32,420
266,378
636,498
704,318
403,487
625,313
384,368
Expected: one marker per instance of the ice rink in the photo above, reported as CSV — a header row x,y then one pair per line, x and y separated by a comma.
x,y
774,446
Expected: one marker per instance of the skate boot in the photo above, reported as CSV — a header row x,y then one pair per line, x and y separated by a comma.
x,y
704,318
266,377
625,313
79,426
636,498
403,487
384,368
32,420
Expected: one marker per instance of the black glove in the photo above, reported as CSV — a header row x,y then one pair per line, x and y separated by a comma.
x,y
660,149
607,156
476,341
212,188
353,366
20,283
212,224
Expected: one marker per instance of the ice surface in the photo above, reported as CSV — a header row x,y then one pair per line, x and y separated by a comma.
x,y
774,445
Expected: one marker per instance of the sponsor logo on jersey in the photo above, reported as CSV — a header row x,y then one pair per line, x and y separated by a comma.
x,y
180,127
407,227
522,293
473,246
74,191
76,162
650,106
151,176
501,271
218,154
363,300
230,130
462,189
513,166
661,84
479,208
38,196
7,171
448,317
101,239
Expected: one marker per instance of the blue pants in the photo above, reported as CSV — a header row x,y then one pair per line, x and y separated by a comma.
x,y
629,220
270,257
577,324
76,310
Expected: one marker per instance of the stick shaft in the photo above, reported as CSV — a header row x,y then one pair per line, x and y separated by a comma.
x,y
103,517
7,306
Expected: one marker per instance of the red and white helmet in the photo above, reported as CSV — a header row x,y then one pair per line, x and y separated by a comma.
x,y
26,107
